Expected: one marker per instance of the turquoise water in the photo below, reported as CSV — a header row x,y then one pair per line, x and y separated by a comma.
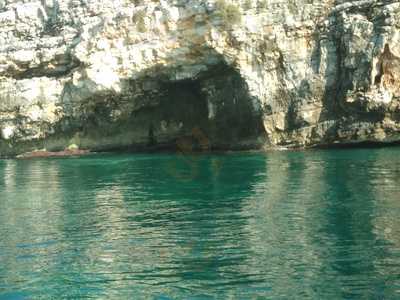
x,y
312,225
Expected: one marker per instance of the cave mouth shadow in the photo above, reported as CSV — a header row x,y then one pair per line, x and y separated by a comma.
x,y
211,112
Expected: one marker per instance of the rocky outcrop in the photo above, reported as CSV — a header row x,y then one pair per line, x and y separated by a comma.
x,y
208,74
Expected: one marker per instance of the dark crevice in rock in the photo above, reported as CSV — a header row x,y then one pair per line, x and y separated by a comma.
x,y
386,57
45,71
151,139
378,77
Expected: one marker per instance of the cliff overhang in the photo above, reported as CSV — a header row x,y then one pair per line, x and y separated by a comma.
x,y
210,74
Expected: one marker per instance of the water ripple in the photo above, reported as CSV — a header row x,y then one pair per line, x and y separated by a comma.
x,y
317,224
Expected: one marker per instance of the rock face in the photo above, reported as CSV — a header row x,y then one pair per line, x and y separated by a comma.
x,y
120,74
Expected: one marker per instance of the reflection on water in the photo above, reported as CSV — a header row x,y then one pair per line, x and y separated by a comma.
x,y
318,224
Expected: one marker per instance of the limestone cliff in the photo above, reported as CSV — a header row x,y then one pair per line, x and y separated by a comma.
x,y
118,74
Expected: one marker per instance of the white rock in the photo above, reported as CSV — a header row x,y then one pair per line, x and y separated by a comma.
x,y
7,132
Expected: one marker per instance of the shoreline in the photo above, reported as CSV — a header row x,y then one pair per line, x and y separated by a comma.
x,y
163,150
52,154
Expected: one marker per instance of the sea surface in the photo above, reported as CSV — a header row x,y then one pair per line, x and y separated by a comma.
x,y
321,224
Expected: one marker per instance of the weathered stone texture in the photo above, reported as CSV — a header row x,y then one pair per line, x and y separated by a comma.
x,y
110,74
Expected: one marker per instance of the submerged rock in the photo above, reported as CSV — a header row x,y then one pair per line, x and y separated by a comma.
x,y
46,154
106,74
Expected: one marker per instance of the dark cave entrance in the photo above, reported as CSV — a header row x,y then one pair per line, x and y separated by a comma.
x,y
181,115
214,111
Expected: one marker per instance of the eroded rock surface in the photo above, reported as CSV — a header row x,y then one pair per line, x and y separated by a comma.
x,y
120,74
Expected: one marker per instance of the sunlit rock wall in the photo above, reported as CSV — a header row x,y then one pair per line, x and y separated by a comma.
x,y
121,74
